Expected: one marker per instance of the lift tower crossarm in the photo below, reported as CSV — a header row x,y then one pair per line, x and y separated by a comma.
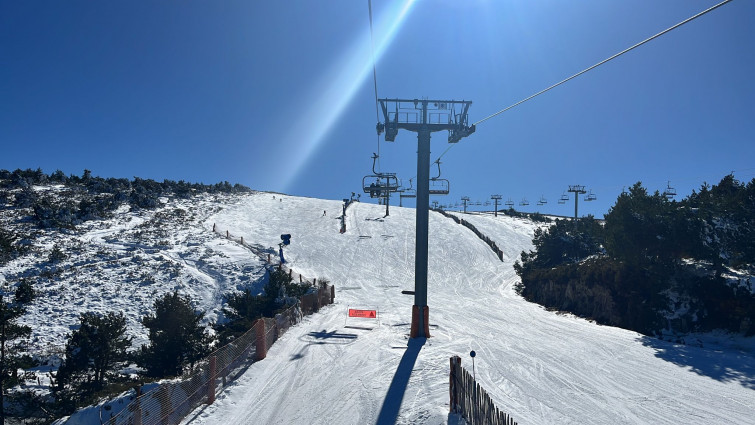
x,y
423,117
412,115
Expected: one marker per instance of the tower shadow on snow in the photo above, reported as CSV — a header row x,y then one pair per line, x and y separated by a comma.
x,y
321,338
392,402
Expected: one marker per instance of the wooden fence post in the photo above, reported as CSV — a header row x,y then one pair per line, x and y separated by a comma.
x,y
138,407
332,294
211,385
259,327
453,392
166,405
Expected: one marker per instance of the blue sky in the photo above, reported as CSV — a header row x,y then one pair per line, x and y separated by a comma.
x,y
279,95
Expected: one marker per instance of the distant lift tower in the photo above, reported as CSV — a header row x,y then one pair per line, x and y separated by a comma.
x,y
423,117
495,199
465,201
577,190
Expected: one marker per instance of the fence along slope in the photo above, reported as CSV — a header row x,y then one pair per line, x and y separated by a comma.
x,y
472,402
171,402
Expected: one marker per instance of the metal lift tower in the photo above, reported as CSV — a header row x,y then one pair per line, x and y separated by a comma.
x,y
496,198
465,200
577,190
423,117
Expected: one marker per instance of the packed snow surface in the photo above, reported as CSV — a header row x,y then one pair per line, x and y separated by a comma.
x,y
539,366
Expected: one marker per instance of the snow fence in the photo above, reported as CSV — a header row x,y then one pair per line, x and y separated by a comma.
x,y
470,226
172,401
472,402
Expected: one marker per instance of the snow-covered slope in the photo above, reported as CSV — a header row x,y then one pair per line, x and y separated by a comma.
x,y
541,367
124,264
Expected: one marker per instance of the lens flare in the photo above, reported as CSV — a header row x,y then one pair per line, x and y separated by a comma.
x,y
340,86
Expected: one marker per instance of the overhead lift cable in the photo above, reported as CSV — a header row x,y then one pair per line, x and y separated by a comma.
x,y
374,74
596,65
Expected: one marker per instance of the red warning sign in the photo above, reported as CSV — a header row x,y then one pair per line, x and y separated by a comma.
x,y
369,314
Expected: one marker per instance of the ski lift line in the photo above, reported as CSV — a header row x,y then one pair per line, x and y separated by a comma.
x,y
374,72
713,178
681,180
605,60
710,9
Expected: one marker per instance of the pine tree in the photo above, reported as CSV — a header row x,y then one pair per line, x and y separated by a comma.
x,y
10,332
93,350
565,242
8,246
25,292
176,337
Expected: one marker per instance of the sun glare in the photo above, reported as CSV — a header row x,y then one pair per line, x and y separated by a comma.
x,y
339,87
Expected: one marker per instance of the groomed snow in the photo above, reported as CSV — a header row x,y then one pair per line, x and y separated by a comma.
x,y
539,366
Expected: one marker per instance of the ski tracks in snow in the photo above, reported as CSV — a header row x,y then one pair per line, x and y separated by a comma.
x,y
541,367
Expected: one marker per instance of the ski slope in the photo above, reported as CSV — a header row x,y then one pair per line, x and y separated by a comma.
x,y
539,366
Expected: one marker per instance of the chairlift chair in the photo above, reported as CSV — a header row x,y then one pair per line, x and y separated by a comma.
x,y
409,192
509,203
378,188
524,202
380,185
371,184
542,200
590,196
670,192
563,198
439,186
